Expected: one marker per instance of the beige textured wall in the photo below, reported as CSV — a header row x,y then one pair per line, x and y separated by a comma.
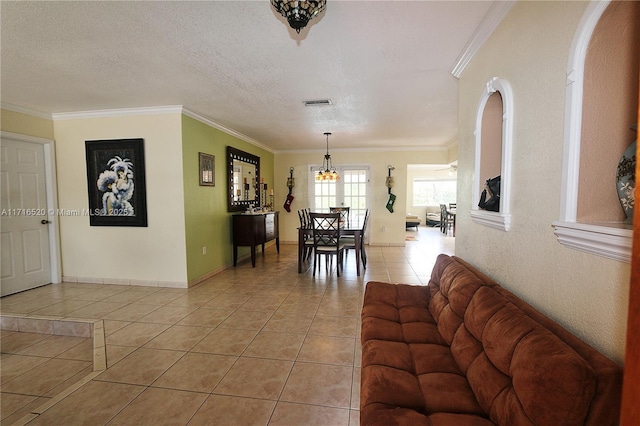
x,y
152,254
585,293
609,109
393,223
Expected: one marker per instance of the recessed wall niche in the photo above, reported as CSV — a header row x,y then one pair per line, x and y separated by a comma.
x,y
602,104
609,108
491,138
494,129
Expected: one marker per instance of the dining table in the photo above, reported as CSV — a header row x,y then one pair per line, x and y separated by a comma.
x,y
355,229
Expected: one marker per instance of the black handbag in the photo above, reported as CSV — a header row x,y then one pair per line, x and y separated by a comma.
x,y
491,190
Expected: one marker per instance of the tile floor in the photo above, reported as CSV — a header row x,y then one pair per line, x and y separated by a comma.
x,y
250,346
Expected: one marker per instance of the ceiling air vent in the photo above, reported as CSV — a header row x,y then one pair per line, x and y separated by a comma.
x,y
318,102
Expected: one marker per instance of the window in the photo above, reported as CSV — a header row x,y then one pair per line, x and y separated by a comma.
x,y
324,195
355,192
350,191
432,192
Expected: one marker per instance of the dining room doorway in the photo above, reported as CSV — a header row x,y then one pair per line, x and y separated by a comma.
x,y
429,186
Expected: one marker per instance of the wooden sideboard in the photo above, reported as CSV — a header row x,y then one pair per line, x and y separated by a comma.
x,y
253,229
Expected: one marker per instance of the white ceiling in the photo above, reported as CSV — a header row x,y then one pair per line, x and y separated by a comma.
x,y
385,65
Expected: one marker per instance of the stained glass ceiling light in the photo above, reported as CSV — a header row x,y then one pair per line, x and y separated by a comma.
x,y
298,12
327,172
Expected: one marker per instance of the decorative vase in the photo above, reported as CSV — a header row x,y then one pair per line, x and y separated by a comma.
x,y
626,181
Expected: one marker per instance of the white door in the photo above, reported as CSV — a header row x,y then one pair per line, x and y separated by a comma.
x,y
350,191
26,261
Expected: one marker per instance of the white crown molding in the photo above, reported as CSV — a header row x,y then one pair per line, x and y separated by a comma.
x,y
117,112
452,144
155,110
488,25
380,149
179,109
227,130
23,110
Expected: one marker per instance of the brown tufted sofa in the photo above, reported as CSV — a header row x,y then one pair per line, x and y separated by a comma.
x,y
465,351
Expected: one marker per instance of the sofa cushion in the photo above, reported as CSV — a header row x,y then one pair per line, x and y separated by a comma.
x,y
398,313
524,366
391,386
386,415
448,393
604,407
391,354
512,363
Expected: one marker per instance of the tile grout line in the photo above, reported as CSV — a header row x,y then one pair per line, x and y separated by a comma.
x,y
98,342
297,292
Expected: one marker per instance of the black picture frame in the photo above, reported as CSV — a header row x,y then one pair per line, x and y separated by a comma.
x,y
116,182
207,169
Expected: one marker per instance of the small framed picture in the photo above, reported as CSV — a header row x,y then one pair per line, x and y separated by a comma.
x,y
207,169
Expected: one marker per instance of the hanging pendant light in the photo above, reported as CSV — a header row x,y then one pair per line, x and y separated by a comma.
x,y
327,172
298,12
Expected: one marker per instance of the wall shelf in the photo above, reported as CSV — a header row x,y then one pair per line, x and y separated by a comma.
x,y
494,220
612,240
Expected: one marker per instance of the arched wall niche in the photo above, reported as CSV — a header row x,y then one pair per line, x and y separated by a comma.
x,y
494,140
602,103
491,137
609,108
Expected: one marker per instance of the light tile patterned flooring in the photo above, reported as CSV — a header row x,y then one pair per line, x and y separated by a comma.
x,y
250,346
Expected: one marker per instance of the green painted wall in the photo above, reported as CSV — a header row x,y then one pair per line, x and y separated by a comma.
x,y
207,222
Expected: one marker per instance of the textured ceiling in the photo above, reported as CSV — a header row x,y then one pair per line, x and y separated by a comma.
x,y
385,65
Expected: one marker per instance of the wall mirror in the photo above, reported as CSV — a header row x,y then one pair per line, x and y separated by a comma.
x,y
243,172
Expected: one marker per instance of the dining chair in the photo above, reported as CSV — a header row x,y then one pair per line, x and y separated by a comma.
x,y
307,216
363,253
344,213
302,218
308,238
349,240
326,239
446,220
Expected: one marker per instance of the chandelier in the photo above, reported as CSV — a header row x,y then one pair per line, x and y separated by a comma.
x,y
298,12
327,172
